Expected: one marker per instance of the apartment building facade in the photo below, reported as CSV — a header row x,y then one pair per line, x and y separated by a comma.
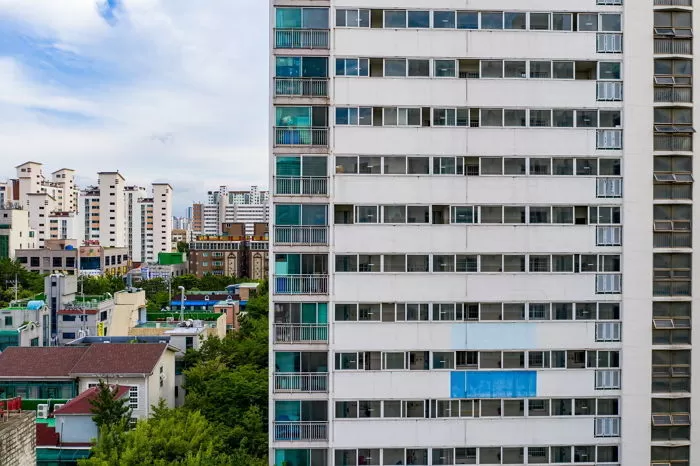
x,y
227,206
232,254
125,214
457,274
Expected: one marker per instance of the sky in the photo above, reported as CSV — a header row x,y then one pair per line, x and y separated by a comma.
x,y
162,90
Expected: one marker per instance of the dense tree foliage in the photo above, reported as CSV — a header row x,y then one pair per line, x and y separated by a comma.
x,y
227,379
178,436
28,283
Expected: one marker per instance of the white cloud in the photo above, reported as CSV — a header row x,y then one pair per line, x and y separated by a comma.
x,y
194,70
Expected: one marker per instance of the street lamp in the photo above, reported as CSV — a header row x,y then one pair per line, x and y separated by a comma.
x,y
182,303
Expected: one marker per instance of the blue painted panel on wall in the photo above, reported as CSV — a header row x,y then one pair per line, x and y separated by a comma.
x,y
493,384
494,336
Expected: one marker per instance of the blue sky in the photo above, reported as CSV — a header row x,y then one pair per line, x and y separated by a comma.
x,y
162,90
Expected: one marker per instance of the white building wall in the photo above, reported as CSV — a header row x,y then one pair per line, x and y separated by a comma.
x,y
162,218
112,210
640,352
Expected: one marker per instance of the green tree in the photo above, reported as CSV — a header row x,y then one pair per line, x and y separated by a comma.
x,y
100,285
29,284
189,281
109,411
183,246
226,381
171,437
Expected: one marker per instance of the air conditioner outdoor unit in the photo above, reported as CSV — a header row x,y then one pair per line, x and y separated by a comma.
x,y
42,411
58,406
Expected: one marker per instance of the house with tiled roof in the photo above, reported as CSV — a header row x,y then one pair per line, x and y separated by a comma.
x,y
64,372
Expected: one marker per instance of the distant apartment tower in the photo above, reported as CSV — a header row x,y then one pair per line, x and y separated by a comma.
x,y
226,206
129,216
15,232
51,203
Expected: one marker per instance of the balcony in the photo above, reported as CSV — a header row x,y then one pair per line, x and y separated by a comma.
x,y
301,185
301,284
672,143
301,87
673,94
609,91
301,431
303,234
301,333
301,38
676,192
301,136
672,287
609,43
609,139
675,239
301,382
673,46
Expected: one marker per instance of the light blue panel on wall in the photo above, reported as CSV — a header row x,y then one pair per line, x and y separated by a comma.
x,y
494,336
493,384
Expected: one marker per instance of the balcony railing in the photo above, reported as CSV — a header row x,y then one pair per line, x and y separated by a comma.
x,y
608,283
301,382
609,187
301,333
673,239
300,136
609,139
302,234
301,431
671,287
673,94
667,142
301,185
301,87
609,90
673,2
301,284
301,38
609,42
673,46
673,191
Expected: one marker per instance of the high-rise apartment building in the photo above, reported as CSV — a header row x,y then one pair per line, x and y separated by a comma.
x,y
112,213
457,274
226,206
138,228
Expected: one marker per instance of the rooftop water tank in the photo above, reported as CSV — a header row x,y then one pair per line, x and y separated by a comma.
x,y
34,305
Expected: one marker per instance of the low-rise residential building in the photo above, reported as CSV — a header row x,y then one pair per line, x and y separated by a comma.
x,y
86,315
169,265
24,323
15,232
64,256
148,370
233,255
